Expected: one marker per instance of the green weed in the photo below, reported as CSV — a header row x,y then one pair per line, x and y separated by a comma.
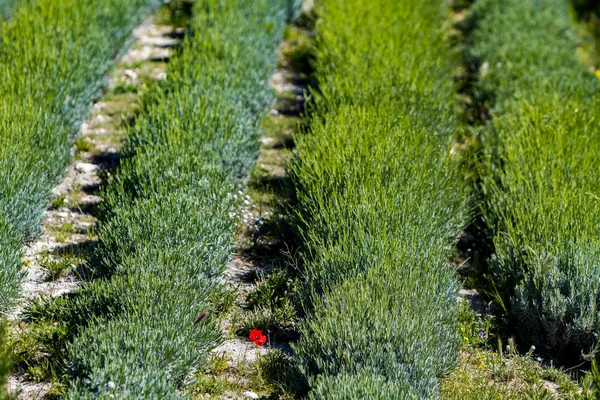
x,y
272,291
6,359
83,145
488,369
125,86
277,322
39,349
57,202
58,267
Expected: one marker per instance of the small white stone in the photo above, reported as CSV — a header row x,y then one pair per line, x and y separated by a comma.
x,y
159,41
131,74
251,395
100,106
102,118
85,167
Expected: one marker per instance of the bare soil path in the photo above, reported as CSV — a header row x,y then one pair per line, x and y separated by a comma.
x,y
265,242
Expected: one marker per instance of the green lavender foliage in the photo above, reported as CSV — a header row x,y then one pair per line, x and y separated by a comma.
x,y
380,202
539,170
53,59
168,235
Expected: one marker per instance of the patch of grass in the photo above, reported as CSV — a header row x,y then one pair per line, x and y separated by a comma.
x,y
298,49
273,291
490,368
208,385
58,267
43,308
278,370
278,323
39,349
222,379
6,359
487,374
175,13
224,300
57,202
269,307
118,105
125,86
83,145
66,227
280,131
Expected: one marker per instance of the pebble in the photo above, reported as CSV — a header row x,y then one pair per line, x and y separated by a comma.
x,y
251,395
158,41
131,74
85,167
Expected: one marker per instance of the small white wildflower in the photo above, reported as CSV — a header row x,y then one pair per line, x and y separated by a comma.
x,y
532,348
111,385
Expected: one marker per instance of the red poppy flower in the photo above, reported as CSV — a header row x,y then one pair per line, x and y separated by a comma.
x,y
255,334
261,340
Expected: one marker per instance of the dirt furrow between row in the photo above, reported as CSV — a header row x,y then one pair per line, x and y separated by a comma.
x,y
239,368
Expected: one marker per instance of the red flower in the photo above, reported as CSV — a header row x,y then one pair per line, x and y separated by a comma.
x,y
255,334
261,340
257,337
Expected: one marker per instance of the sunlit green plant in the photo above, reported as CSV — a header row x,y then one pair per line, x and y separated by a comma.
x,y
55,56
540,154
380,203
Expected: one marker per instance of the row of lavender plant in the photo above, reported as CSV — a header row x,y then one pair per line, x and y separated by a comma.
x,y
539,169
380,203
